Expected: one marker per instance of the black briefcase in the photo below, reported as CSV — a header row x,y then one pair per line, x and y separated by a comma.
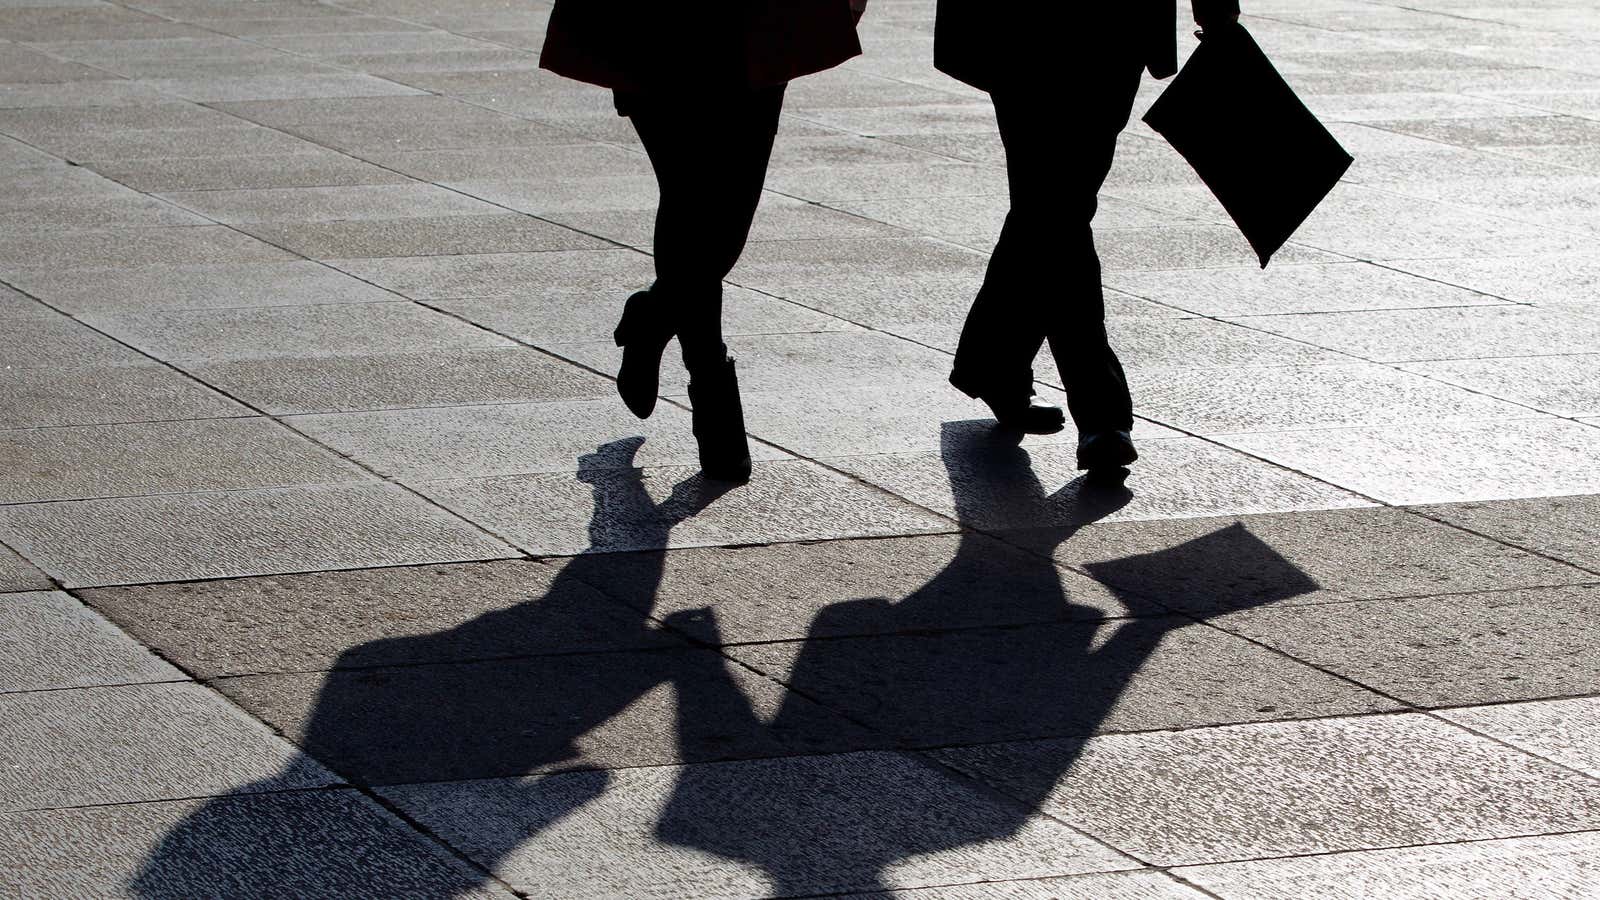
x,y
1249,138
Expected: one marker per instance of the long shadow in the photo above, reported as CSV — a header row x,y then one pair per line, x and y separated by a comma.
x,y
810,823
468,707
1058,678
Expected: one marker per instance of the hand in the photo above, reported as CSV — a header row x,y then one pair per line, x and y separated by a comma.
x,y
1215,13
857,8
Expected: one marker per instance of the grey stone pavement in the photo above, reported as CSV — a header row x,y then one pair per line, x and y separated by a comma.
x,y
307,423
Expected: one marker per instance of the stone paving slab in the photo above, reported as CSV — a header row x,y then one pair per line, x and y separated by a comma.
x,y
1559,730
1216,400
105,395
43,340
86,462
269,332
1567,528
1293,559
192,536
17,574
423,236
741,829
515,717
397,380
1304,288
502,439
1532,868
1135,885
137,743
554,514
1051,681
385,617
1410,335
49,640
827,589
1178,478
148,288
1437,463
1445,651
1207,795
236,846
301,169
1560,385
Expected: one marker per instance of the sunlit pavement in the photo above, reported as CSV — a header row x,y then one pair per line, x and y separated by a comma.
x,y
335,567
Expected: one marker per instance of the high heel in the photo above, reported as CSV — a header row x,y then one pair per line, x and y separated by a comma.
x,y
718,417
642,334
1016,408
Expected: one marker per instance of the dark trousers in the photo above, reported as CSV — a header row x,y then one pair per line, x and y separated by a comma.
x,y
1043,281
710,157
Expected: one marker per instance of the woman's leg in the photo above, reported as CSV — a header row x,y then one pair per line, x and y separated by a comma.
x,y
710,158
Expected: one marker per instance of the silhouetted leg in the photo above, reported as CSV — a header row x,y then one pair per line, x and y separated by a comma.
x,y
710,157
1044,278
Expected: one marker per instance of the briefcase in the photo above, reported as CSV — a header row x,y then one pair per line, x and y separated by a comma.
x,y
1249,138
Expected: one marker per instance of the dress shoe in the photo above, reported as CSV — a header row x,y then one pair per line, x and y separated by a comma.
x,y
642,334
718,419
1101,450
1016,408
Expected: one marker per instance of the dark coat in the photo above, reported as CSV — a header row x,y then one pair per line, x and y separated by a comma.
x,y
993,43
707,45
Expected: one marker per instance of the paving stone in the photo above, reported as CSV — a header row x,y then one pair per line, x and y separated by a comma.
x,y
1441,463
1559,730
1049,680
388,617
1532,868
547,196
1219,401
1567,528
1562,385
511,718
741,829
516,275
791,263
137,743
1342,224
361,138
424,236
57,250
1298,558
502,439
290,386
1505,131
1188,246
1218,794
82,462
330,204
276,87
87,23
889,180
893,415
1161,343
579,160
109,291
784,501
45,341
16,574
836,588
108,146
315,169
1529,278
559,319
195,536
15,154
778,218
26,123
65,394
293,331
115,211
1310,287
772,365
50,641
23,65
248,845
1445,651
1001,486
1136,885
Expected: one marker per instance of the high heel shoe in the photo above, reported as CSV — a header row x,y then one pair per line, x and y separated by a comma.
x,y
1017,408
718,417
642,334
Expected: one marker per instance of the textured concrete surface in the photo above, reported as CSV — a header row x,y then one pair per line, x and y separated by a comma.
x,y
331,565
